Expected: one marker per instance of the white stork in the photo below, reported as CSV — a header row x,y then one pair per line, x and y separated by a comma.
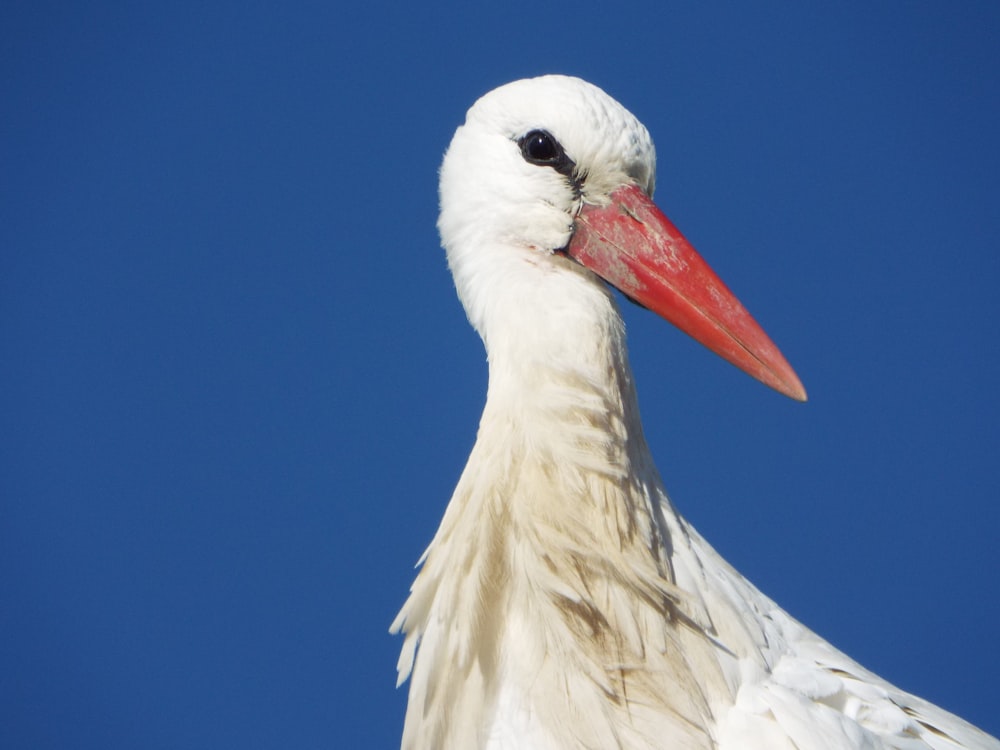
x,y
564,603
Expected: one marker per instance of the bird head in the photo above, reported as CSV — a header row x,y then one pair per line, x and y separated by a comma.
x,y
546,194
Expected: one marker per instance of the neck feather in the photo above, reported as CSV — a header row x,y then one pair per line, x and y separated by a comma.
x,y
547,597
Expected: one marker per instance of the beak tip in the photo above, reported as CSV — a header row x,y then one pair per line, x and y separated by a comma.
x,y
778,374
792,387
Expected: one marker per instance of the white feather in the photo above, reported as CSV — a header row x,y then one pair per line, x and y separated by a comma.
x,y
563,602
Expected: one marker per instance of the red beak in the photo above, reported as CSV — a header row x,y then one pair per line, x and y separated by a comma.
x,y
633,246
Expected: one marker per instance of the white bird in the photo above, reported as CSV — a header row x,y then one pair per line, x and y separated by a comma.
x,y
564,602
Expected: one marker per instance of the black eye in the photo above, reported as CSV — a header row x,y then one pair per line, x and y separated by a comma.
x,y
538,147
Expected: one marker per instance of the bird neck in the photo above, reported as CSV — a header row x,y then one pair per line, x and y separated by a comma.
x,y
548,590
570,402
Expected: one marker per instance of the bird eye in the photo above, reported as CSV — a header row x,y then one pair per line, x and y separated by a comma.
x,y
539,147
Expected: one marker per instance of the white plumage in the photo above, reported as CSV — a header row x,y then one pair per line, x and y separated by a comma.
x,y
563,602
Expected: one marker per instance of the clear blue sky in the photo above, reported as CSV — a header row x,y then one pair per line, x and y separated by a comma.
x,y
237,388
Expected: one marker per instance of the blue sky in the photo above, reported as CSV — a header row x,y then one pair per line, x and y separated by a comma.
x,y
237,387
